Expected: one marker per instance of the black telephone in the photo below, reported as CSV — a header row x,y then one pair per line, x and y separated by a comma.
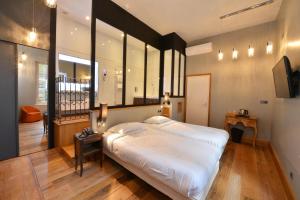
x,y
86,132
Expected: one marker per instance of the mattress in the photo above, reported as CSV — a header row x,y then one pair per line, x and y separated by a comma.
x,y
213,136
182,163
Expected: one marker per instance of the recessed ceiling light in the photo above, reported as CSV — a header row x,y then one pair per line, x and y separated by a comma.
x,y
87,18
71,32
76,29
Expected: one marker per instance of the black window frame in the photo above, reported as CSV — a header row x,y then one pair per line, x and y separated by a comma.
x,y
124,67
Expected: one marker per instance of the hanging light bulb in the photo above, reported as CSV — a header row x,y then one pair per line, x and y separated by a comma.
x,y
250,51
269,48
235,54
220,55
24,56
32,35
51,3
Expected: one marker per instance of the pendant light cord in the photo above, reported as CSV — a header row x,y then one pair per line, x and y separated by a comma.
x,y
33,13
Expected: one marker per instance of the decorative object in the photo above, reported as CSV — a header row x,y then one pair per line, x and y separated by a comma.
x,y
51,3
269,48
101,120
235,54
250,51
220,55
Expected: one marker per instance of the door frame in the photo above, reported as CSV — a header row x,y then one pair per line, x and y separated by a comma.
x,y
209,96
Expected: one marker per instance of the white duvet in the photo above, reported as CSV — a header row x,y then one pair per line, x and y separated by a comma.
x,y
182,163
213,136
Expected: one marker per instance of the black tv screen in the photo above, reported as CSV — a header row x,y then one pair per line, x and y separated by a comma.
x,y
283,79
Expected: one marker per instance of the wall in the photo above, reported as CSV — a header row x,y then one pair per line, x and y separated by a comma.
x,y
27,76
286,121
241,83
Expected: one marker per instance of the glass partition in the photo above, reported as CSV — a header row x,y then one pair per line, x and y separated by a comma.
x,y
167,71
182,71
135,66
176,73
153,66
109,55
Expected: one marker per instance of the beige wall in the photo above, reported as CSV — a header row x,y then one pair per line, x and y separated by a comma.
x,y
241,83
286,113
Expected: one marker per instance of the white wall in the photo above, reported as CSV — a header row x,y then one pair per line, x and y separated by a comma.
x,y
242,83
285,136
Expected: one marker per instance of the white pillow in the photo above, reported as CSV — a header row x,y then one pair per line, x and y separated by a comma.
x,y
126,128
157,120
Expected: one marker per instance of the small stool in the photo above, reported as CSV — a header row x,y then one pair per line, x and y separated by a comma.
x,y
86,147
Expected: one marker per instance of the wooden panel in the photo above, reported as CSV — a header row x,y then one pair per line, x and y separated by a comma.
x,y
65,131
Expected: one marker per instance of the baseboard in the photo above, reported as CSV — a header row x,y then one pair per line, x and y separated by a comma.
x,y
286,184
259,142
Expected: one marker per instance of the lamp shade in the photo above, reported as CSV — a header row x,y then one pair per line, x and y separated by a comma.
x,y
167,98
103,112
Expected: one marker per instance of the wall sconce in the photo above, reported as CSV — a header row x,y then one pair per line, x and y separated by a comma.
x,y
235,54
250,51
269,48
51,3
166,100
220,55
101,120
23,56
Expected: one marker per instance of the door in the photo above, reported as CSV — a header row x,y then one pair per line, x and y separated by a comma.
x,y
198,99
8,120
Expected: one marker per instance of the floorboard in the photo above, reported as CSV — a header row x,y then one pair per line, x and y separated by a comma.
x,y
32,138
245,173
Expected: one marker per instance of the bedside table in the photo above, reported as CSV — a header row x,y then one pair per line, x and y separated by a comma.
x,y
87,146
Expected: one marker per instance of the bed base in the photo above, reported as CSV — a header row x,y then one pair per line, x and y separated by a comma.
x,y
161,186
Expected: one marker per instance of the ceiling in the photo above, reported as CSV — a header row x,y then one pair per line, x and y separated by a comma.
x,y
197,19
191,19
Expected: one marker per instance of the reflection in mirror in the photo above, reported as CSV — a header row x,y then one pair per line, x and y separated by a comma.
x,y
176,73
109,55
182,71
167,71
153,66
32,99
135,65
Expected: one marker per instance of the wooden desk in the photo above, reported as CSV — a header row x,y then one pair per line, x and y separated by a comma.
x,y
246,122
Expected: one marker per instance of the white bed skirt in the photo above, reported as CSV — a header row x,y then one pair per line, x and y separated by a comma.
x,y
161,186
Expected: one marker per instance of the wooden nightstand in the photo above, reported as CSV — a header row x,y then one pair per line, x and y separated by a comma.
x,y
86,147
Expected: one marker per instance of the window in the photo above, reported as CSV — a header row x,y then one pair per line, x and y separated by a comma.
x,y
176,74
153,72
42,84
129,69
167,71
135,66
182,74
109,55
175,58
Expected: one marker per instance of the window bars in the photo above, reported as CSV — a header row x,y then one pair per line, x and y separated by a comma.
x,y
72,98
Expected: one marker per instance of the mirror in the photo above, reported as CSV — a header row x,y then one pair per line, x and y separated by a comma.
x,y
32,99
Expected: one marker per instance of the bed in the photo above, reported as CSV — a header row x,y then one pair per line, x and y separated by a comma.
x,y
165,159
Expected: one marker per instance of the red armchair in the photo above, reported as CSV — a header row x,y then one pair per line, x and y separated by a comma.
x,y
30,114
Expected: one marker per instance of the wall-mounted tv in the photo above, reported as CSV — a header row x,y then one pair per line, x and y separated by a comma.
x,y
283,79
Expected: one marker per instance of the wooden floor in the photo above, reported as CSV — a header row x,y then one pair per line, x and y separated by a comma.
x,y
245,173
31,138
